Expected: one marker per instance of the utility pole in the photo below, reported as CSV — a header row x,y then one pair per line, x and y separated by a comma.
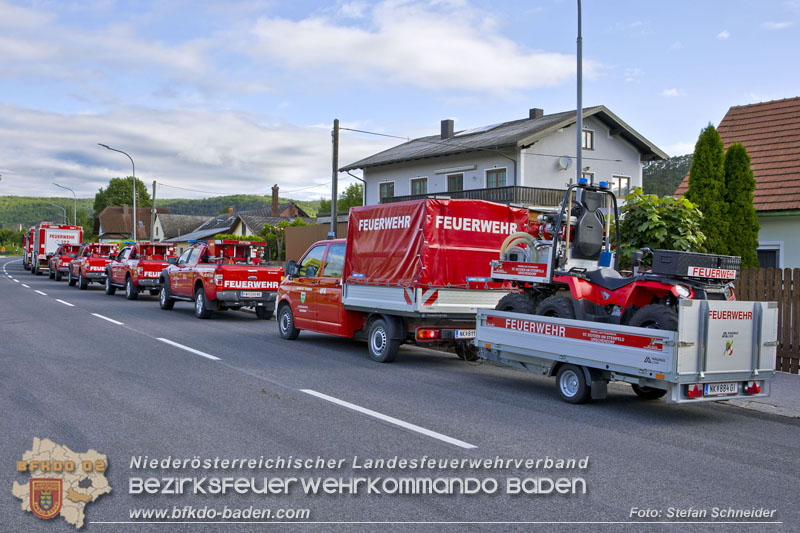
x,y
579,124
133,167
334,179
153,215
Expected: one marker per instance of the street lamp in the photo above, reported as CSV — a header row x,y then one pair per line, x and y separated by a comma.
x,y
135,228
74,205
62,208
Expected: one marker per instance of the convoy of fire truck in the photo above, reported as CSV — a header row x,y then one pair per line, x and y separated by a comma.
x,y
537,290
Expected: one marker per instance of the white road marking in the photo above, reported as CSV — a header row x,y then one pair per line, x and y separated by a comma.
x,y
42,293
65,303
192,350
16,281
109,319
391,420
26,286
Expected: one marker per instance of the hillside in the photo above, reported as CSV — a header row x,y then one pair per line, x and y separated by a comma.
x,y
28,210
663,177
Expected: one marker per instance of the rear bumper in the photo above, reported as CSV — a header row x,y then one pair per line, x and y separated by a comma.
x,y
95,276
148,283
236,298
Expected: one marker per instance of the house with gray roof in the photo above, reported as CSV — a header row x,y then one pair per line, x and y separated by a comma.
x,y
168,226
528,161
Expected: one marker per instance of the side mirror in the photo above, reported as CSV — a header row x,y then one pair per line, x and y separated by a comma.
x,y
291,268
172,260
636,259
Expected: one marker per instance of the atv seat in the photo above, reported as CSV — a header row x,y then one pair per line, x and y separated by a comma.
x,y
608,278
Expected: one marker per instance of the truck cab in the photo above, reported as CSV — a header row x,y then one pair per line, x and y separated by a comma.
x,y
314,291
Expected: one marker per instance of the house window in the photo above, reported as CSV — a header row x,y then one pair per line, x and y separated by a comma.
x,y
588,140
770,254
455,182
620,186
495,177
387,190
419,186
588,175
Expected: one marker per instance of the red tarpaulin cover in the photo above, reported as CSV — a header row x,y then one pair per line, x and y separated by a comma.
x,y
428,243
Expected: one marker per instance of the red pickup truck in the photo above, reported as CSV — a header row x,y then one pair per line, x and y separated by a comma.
x,y
221,275
138,268
90,265
60,260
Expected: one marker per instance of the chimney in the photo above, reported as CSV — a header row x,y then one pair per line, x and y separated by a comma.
x,y
230,211
536,113
125,210
275,204
447,128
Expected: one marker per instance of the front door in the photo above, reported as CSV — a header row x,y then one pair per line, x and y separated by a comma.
x,y
303,292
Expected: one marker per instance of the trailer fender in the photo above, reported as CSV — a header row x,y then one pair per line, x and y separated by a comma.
x,y
597,382
395,324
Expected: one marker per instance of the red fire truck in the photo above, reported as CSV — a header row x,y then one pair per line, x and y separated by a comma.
x,y
221,275
138,267
90,265
60,260
27,249
408,272
46,238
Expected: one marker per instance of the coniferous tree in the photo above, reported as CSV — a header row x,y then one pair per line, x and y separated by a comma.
x,y
742,235
707,188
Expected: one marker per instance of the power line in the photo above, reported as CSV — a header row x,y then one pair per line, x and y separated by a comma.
x,y
161,184
465,146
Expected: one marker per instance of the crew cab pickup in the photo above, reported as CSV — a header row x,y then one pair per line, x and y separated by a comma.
x,y
90,265
221,275
138,268
408,272
60,260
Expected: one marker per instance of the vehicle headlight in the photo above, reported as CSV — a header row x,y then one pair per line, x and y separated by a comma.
x,y
683,291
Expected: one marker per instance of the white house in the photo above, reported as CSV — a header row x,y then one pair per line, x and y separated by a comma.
x,y
529,161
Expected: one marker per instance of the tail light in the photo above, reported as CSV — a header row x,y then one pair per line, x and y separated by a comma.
x,y
753,387
218,279
428,334
694,391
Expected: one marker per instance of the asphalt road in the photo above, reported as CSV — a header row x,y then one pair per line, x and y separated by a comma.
x,y
86,382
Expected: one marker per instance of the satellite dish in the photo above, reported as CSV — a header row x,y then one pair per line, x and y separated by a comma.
x,y
564,162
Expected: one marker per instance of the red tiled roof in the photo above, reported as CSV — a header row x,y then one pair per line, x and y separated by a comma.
x,y
771,133
119,220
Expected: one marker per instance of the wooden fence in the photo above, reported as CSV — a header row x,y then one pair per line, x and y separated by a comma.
x,y
780,285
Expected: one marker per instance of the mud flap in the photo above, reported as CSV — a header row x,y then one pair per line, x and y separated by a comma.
x,y
598,384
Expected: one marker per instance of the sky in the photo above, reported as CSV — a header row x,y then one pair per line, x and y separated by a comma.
x,y
232,97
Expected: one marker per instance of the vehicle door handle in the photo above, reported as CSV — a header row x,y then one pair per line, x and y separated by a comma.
x,y
314,282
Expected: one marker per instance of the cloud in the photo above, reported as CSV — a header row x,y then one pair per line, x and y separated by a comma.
x,y
355,10
677,45
633,74
679,148
432,45
777,25
673,92
724,34
229,152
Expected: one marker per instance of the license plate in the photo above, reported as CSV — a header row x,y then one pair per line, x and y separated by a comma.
x,y
721,389
465,334
251,294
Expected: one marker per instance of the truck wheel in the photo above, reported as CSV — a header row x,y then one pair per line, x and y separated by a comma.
x,y
51,274
655,316
516,302
201,309
572,386
164,301
83,283
70,280
35,270
57,276
467,351
110,289
648,393
381,348
153,292
556,306
286,323
131,292
264,313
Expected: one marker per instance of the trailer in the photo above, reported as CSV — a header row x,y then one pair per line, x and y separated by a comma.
x,y
721,350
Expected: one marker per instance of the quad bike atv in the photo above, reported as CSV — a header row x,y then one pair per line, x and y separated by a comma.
x,y
565,268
